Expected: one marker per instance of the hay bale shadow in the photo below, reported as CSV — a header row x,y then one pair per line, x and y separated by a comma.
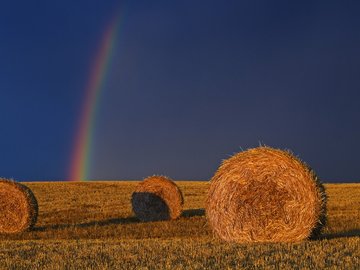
x,y
199,212
148,206
112,221
347,234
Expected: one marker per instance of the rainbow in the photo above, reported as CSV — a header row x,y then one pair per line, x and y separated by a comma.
x,y
81,156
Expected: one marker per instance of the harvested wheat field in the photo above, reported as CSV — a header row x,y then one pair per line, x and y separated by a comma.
x,y
91,225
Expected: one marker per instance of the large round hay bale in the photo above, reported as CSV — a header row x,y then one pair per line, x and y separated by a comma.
x,y
18,207
157,198
265,195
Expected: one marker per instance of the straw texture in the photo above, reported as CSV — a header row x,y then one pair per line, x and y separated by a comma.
x,y
18,207
265,195
157,198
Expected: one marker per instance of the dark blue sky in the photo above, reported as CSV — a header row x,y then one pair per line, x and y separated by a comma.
x,y
191,82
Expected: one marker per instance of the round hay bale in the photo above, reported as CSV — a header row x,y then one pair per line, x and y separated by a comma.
x,y
265,195
18,207
157,198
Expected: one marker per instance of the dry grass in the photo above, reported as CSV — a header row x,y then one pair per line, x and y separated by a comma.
x,y
91,226
18,207
157,198
265,195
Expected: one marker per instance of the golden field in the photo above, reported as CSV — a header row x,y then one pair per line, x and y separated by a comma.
x,y
90,225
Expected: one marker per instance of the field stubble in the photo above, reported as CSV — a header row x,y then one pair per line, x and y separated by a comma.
x,y
91,225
